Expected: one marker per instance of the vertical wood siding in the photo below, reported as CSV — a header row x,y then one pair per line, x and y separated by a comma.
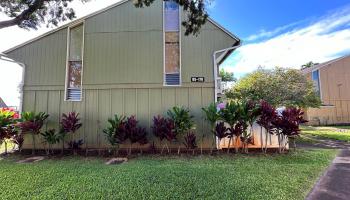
x,y
335,89
122,71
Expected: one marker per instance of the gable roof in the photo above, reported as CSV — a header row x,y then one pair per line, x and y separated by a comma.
x,y
99,12
2,103
319,66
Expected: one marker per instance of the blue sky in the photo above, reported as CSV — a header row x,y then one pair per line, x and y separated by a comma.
x,y
284,33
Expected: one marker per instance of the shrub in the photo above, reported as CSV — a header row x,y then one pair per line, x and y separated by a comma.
x,y
190,142
135,133
221,131
70,123
32,123
75,145
115,132
286,126
50,137
212,116
183,121
163,128
267,115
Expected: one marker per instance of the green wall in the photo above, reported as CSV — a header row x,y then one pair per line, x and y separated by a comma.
x,y
122,72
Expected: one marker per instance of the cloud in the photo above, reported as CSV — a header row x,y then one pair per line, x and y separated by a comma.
x,y
322,40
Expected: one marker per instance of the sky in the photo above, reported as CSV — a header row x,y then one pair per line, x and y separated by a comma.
x,y
285,33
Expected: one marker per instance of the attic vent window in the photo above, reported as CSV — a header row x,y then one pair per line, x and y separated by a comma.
x,y
172,54
73,91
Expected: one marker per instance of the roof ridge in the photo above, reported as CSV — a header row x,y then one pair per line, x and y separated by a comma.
x,y
96,13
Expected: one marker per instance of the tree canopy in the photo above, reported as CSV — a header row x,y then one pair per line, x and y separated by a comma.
x,y
308,65
30,14
226,76
279,87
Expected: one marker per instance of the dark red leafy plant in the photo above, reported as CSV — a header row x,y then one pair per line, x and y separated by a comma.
x,y
286,126
221,131
190,142
163,128
135,133
267,115
70,123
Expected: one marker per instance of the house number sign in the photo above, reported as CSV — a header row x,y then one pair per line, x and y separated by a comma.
x,y
197,79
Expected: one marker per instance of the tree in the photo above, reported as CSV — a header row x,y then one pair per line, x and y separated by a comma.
x,y
308,65
279,87
226,76
30,14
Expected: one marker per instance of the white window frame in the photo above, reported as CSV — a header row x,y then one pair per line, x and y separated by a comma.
x,y
319,80
180,63
67,60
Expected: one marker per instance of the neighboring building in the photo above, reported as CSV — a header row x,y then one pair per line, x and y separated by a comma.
x,y
2,103
332,84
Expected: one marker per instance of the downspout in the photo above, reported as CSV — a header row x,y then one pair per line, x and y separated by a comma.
x,y
21,85
216,67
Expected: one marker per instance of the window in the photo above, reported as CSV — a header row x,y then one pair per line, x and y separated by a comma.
x,y
316,81
74,63
172,65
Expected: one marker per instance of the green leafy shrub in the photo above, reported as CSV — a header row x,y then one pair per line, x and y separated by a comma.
x,y
32,123
182,119
50,138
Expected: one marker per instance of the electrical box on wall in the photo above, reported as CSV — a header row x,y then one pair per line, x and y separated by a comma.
x,y
197,79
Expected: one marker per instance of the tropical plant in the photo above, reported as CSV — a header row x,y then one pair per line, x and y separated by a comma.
x,y
286,126
183,121
135,133
212,116
8,130
163,128
190,142
221,131
50,138
75,145
249,112
115,132
32,123
267,115
231,115
70,123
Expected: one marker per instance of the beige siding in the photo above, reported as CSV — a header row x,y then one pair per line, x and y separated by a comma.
x,y
122,71
335,91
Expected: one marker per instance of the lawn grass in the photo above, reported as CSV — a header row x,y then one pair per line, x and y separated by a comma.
x,y
222,177
341,133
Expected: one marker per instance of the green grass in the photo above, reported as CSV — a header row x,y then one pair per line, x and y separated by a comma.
x,y
223,177
341,133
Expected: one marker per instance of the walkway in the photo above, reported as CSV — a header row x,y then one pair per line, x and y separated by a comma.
x,y
335,183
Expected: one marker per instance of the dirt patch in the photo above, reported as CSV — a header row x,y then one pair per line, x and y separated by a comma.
x,y
116,161
32,159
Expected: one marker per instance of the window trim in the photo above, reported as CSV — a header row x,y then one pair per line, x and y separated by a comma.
x,y
67,61
319,81
180,49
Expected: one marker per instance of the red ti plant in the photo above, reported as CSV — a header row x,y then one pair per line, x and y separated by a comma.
x,y
267,115
32,122
135,133
287,126
221,131
70,123
190,142
163,128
